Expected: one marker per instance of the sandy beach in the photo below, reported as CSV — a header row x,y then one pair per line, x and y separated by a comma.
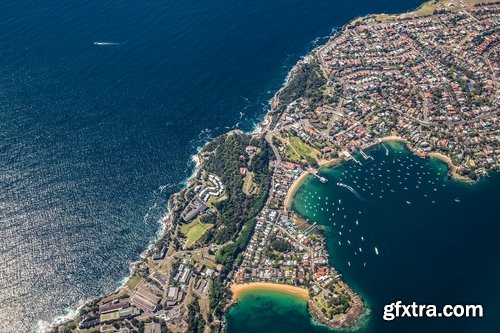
x,y
453,169
393,138
443,158
295,186
330,163
239,289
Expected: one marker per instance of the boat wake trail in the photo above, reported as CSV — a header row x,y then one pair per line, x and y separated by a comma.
x,y
353,191
107,44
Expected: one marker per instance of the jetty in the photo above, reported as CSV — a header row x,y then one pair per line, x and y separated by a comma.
x,y
311,228
301,224
386,150
349,156
321,179
365,156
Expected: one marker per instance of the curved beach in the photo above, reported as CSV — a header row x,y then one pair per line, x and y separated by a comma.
x,y
240,289
394,138
293,188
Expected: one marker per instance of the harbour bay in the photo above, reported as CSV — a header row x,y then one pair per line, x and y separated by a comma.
x,y
398,228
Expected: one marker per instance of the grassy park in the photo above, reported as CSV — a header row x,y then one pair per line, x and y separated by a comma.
x,y
193,231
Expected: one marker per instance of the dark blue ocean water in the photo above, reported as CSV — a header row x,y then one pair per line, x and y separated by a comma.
x,y
94,138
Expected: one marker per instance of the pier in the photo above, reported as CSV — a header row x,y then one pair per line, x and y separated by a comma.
x,y
300,225
311,228
386,150
365,156
321,179
346,153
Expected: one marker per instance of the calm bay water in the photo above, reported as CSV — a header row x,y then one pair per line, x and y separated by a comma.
x,y
270,311
437,239
95,138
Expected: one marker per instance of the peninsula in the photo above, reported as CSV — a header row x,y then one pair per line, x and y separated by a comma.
x,y
428,78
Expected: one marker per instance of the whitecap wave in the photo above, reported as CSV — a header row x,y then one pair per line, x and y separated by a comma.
x,y
68,313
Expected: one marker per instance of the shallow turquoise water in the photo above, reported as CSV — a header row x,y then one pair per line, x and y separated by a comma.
x,y
270,311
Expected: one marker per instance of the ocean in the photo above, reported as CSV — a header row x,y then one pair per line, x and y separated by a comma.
x,y
103,105
405,231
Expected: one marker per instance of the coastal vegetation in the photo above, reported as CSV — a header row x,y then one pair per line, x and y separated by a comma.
x,y
234,220
225,158
214,200
196,323
331,304
280,245
306,82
